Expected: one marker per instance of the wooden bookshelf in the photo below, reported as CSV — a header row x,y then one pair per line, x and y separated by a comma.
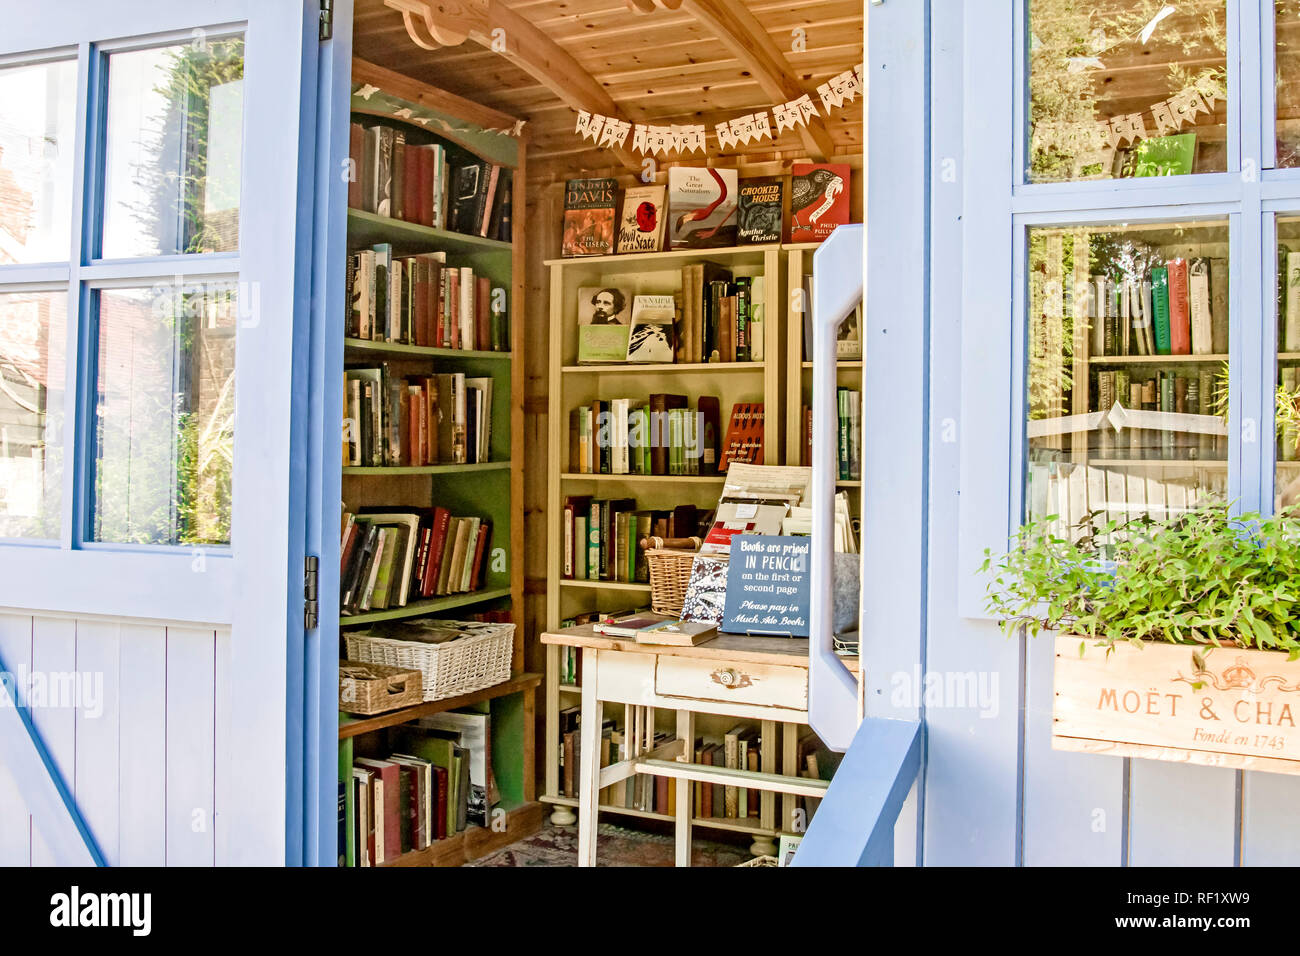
x,y
573,385
492,489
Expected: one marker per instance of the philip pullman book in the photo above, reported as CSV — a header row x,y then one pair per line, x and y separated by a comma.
x,y
701,207
759,211
589,206
819,200
641,227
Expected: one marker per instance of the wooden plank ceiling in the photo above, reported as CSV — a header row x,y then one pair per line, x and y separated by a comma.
x,y
663,67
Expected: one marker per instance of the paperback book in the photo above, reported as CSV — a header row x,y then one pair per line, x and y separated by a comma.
x,y
819,200
604,325
589,217
702,207
641,227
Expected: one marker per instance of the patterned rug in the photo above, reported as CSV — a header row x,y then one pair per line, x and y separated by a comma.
x,y
615,846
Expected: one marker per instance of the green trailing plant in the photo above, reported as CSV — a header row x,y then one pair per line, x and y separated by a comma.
x,y
1202,577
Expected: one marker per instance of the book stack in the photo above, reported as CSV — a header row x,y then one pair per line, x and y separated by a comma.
x,y
1177,308
420,300
389,558
659,436
718,316
438,782
391,421
427,183
602,535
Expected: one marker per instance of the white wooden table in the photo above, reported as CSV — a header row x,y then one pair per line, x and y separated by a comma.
x,y
764,679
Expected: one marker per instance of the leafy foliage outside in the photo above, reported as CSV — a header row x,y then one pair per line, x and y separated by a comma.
x,y
1203,577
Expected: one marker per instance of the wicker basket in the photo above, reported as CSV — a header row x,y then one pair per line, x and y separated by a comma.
x,y
377,688
670,573
479,657
761,861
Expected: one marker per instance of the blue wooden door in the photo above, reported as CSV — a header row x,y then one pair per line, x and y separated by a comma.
x,y
159,193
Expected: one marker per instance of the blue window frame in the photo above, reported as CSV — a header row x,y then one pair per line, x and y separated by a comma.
x,y
1000,208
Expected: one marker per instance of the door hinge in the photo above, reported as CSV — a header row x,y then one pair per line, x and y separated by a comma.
x,y
326,19
310,603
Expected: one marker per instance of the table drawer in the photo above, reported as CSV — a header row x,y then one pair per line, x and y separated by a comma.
x,y
763,685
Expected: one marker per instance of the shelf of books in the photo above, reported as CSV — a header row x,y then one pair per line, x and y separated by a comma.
x,y
663,365
432,483
849,370
1127,385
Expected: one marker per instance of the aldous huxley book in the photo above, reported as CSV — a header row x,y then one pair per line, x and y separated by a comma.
x,y
819,200
759,211
604,324
701,207
589,217
641,227
652,329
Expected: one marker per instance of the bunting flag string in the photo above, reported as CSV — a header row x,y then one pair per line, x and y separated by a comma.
x,y
756,127
1167,116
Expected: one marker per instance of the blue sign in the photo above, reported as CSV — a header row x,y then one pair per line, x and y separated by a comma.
x,y
769,586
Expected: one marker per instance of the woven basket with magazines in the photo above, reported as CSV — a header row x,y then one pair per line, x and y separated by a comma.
x,y
453,657
670,562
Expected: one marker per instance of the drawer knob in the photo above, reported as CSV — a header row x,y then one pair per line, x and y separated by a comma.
x,y
730,678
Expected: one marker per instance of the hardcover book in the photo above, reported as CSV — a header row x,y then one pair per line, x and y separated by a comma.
x,y
651,339
589,217
641,227
759,211
604,326
701,207
819,200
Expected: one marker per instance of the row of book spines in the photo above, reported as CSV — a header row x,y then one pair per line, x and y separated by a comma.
x,y
663,436
416,421
1162,392
416,183
419,300
849,427
1180,308
447,558
405,804
602,536
719,320
659,794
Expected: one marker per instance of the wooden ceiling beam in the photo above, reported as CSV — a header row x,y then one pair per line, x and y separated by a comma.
x,y
433,24
749,42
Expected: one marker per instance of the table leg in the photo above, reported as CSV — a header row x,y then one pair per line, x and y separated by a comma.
x,y
685,800
789,761
589,764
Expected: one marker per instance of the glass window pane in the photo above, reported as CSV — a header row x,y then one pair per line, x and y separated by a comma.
x,y
1287,13
1128,358
165,423
38,109
1287,479
1124,88
173,147
32,349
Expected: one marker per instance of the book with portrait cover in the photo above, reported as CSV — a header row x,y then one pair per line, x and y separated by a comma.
x,y
759,211
589,217
819,200
641,227
701,207
604,324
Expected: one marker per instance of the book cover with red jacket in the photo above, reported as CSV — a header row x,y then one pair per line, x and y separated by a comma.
x,y
819,200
